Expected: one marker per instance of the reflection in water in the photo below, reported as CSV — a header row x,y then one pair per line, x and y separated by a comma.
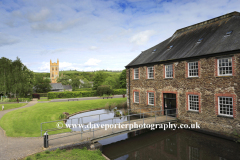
x,y
103,114
170,145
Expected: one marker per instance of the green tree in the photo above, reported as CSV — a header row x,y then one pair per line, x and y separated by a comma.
x,y
122,79
75,82
85,83
41,84
98,79
113,81
15,77
65,80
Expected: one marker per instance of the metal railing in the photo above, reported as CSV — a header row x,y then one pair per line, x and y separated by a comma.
x,y
142,117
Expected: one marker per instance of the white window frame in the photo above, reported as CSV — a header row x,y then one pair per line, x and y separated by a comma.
x,y
218,68
189,106
135,97
192,69
168,71
228,115
150,97
136,69
148,73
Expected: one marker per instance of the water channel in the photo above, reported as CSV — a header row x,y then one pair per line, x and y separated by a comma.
x,y
164,145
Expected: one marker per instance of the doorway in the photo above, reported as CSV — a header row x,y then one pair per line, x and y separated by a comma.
x,y
169,102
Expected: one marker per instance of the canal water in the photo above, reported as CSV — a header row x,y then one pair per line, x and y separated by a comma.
x,y
169,145
159,144
95,116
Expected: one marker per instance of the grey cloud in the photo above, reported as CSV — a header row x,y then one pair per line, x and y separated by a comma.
x,y
7,40
55,26
40,16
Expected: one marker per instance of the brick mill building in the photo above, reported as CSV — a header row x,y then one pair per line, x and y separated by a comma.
x,y
196,71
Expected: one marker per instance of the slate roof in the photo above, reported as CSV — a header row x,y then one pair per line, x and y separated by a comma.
x,y
56,86
67,87
185,44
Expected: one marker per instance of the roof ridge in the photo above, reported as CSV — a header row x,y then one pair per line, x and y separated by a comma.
x,y
235,13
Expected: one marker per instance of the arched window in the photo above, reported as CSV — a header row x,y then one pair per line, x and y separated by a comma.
x,y
53,68
52,75
56,68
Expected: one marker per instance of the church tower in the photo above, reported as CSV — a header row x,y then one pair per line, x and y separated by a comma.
x,y
54,71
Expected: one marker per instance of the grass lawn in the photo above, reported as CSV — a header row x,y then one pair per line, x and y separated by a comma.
x,y
43,100
11,106
26,122
80,154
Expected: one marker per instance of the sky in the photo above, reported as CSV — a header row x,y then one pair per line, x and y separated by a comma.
x,y
89,35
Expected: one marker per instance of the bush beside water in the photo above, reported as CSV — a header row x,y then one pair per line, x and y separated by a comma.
x,y
78,94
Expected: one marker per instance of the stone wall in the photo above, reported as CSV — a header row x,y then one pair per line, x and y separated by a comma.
x,y
208,86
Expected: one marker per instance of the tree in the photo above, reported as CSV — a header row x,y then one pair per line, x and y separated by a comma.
x,y
15,77
98,79
75,82
122,79
65,80
113,81
85,83
41,84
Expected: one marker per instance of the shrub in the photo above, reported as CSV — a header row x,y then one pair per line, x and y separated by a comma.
x,y
62,116
71,94
104,89
119,91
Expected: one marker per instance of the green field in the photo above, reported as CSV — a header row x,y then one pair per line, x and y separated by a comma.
x,y
80,154
11,106
26,122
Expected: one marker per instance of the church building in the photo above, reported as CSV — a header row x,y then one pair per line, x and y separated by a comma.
x,y
54,71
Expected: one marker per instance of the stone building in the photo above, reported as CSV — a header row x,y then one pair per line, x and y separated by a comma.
x,y
54,71
196,71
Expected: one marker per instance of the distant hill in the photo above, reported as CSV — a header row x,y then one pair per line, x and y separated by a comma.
x,y
88,75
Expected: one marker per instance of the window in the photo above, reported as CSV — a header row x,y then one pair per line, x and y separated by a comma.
x,y
150,98
56,68
150,71
136,73
53,68
169,71
225,66
225,106
193,102
193,69
193,153
136,97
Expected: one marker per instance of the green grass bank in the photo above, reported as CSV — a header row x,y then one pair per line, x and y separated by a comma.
x,y
26,122
80,154
11,106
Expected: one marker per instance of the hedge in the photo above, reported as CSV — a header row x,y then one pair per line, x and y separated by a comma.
x,y
76,94
71,94
119,91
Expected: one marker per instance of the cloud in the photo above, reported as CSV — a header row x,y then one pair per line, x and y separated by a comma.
x,y
92,62
40,16
142,38
93,48
55,26
7,39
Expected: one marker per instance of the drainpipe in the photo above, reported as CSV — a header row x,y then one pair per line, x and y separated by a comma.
x,y
129,88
